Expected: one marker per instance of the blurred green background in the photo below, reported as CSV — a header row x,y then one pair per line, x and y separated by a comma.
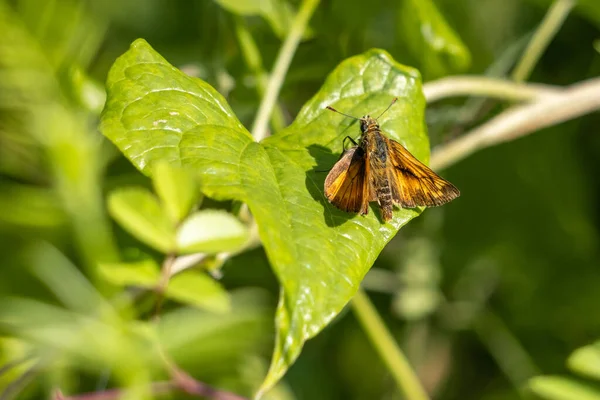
x,y
483,294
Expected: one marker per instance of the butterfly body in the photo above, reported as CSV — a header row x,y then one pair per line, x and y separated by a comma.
x,y
379,183
382,170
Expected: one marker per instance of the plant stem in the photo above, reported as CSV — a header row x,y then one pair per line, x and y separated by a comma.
x,y
161,288
488,87
388,350
192,388
505,348
282,63
576,101
548,28
254,62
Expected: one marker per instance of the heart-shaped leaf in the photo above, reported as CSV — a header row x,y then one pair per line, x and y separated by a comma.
x,y
320,254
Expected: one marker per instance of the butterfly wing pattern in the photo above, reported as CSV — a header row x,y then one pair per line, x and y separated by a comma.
x,y
417,185
345,185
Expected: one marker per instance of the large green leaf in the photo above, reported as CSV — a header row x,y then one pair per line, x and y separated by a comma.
x,y
320,254
431,40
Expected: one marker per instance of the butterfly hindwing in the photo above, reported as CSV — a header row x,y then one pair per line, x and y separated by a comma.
x,y
415,183
346,184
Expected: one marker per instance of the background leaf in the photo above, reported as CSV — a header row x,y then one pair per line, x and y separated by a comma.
x,y
211,231
319,253
586,361
208,341
200,290
177,189
279,13
144,273
140,213
559,388
431,40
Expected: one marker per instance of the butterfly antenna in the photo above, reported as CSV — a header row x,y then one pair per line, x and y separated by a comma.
x,y
339,112
384,111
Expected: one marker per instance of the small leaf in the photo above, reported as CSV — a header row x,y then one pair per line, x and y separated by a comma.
x,y
211,231
586,361
88,92
143,273
139,212
431,40
200,290
177,189
560,388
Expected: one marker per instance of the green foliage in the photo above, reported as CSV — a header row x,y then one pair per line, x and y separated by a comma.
x,y
138,211
109,276
431,40
584,361
154,113
278,13
558,388
162,226
188,287
177,189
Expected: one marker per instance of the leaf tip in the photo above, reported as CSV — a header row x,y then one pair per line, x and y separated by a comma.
x,y
388,59
139,43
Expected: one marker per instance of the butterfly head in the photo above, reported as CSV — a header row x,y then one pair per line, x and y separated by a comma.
x,y
368,123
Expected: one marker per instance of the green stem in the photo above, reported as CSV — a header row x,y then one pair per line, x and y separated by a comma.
x,y
544,34
486,87
388,350
254,62
505,348
282,63
575,101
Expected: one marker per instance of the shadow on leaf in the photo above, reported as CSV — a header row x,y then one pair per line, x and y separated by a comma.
x,y
315,181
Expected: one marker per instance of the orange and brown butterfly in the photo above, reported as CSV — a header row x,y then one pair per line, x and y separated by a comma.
x,y
380,169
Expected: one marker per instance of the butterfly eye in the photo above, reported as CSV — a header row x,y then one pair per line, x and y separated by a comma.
x,y
363,124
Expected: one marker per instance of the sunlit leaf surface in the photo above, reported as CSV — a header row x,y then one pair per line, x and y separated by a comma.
x,y
320,254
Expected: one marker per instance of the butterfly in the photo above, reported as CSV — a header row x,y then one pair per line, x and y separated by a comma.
x,y
380,169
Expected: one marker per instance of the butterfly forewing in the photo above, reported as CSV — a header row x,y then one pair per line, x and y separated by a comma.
x,y
416,184
346,185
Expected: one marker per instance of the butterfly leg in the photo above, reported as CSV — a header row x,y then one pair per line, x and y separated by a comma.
x,y
344,142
